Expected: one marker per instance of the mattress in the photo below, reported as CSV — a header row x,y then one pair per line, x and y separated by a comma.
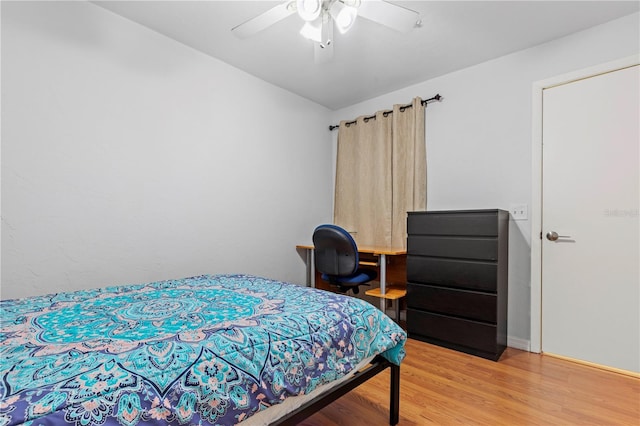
x,y
200,350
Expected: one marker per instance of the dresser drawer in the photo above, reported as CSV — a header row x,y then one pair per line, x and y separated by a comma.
x,y
474,275
472,223
471,334
479,248
459,303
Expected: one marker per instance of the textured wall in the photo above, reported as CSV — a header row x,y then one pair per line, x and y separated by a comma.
x,y
128,157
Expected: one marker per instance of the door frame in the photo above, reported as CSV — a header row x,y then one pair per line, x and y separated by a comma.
x,y
535,341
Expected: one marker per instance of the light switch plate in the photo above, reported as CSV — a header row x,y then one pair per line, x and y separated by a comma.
x,y
519,211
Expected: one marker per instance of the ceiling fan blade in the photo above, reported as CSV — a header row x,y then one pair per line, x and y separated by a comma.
x,y
390,15
264,20
322,54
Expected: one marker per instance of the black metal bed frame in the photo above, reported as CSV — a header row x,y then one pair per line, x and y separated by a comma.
x,y
376,366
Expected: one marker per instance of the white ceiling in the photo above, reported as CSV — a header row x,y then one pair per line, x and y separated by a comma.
x,y
370,59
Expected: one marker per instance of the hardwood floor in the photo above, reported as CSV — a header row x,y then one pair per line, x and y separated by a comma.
x,y
439,386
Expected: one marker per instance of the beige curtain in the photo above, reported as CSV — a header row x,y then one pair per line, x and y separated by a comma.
x,y
363,180
409,168
381,174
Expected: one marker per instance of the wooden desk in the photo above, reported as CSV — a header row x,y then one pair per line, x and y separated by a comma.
x,y
380,252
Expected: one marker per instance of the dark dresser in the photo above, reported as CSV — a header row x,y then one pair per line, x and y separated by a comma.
x,y
457,279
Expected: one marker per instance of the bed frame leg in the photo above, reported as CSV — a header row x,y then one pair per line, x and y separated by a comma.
x,y
394,404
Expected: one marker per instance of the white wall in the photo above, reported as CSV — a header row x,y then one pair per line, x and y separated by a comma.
x,y
125,159
479,137
128,157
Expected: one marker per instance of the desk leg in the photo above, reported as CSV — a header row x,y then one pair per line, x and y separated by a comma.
x,y
311,266
383,281
307,265
311,269
396,303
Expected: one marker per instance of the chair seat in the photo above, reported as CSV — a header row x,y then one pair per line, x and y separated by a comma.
x,y
359,277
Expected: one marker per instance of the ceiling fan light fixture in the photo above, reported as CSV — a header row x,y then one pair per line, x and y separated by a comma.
x,y
320,16
344,16
309,10
312,30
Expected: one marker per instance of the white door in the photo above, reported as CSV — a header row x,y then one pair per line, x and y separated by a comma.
x,y
591,270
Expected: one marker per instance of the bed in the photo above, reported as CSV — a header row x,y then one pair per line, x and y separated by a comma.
x,y
211,349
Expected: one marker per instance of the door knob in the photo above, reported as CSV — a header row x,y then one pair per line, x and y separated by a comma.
x,y
553,236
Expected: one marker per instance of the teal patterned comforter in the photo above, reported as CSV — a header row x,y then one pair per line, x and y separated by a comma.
x,y
202,350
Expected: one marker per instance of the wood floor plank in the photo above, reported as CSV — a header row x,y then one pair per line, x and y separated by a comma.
x,y
439,386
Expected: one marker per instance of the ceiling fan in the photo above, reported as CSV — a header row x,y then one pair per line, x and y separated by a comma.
x,y
320,17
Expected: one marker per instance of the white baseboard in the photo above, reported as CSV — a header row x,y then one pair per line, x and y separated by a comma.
x,y
517,343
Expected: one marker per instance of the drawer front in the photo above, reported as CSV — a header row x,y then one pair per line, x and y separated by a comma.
x,y
459,303
453,223
453,330
479,248
472,275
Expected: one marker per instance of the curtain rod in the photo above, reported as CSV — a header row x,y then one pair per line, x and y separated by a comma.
x,y
402,108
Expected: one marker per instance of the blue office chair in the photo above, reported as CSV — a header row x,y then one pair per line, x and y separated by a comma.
x,y
336,258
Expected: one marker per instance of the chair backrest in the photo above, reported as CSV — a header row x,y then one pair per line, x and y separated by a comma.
x,y
336,253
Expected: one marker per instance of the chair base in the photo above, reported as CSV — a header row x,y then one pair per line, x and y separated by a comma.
x,y
342,288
